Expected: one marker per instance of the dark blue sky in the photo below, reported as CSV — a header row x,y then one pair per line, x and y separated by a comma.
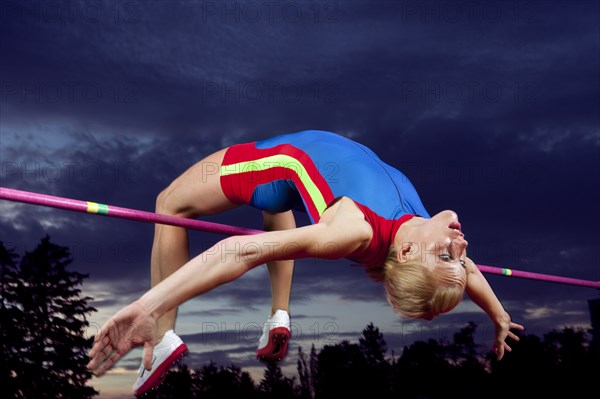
x,y
492,109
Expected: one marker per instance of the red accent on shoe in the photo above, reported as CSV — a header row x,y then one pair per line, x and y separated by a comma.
x,y
158,375
276,349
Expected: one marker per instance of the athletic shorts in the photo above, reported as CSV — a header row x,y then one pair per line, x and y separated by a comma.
x,y
274,179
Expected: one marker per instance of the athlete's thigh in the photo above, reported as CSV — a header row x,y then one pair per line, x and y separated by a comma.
x,y
198,190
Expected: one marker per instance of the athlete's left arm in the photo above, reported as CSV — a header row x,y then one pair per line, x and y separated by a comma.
x,y
336,236
482,294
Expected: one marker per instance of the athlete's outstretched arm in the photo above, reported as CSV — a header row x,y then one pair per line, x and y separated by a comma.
x,y
135,324
482,294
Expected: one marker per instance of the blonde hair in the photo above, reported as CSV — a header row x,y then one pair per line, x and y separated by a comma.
x,y
416,290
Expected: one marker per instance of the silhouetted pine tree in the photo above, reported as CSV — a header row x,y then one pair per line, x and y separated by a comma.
x,y
305,390
52,349
423,370
467,365
341,372
464,349
275,385
177,384
314,366
378,371
212,381
573,361
372,345
11,318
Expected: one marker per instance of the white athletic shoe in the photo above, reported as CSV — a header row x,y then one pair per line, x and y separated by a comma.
x,y
272,345
168,351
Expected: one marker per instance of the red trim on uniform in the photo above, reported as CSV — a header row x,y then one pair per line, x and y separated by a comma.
x,y
384,232
239,187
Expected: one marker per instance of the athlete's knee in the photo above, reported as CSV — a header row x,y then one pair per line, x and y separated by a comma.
x,y
167,203
162,200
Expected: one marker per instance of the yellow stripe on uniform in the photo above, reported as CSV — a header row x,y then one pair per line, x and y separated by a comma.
x,y
283,161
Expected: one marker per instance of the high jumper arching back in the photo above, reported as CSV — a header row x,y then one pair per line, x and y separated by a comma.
x,y
309,169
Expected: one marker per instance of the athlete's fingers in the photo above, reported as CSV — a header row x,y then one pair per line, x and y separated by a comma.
x,y
499,349
100,342
99,352
106,353
148,349
96,362
92,364
107,364
513,336
101,357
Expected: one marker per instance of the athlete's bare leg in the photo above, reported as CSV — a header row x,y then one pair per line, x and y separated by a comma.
x,y
280,271
196,192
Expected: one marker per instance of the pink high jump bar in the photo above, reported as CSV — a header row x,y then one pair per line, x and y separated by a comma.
x,y
118,212
151,217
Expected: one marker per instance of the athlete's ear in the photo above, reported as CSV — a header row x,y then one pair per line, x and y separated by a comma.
x,y
407,251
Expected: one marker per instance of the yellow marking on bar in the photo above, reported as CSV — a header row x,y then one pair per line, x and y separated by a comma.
x,y
92,207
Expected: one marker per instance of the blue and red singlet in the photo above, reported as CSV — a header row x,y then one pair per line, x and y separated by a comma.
x,y
308,170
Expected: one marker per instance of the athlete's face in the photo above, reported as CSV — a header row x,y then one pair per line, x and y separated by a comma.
x,y
436,241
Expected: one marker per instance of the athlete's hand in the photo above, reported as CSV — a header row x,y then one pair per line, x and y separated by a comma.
x,y
503,326
132,326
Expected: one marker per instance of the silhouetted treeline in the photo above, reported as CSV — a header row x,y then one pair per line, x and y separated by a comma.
x,y
558,365
43,349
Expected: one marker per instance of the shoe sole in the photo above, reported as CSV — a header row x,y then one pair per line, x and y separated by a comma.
x,y
276,349
159,375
